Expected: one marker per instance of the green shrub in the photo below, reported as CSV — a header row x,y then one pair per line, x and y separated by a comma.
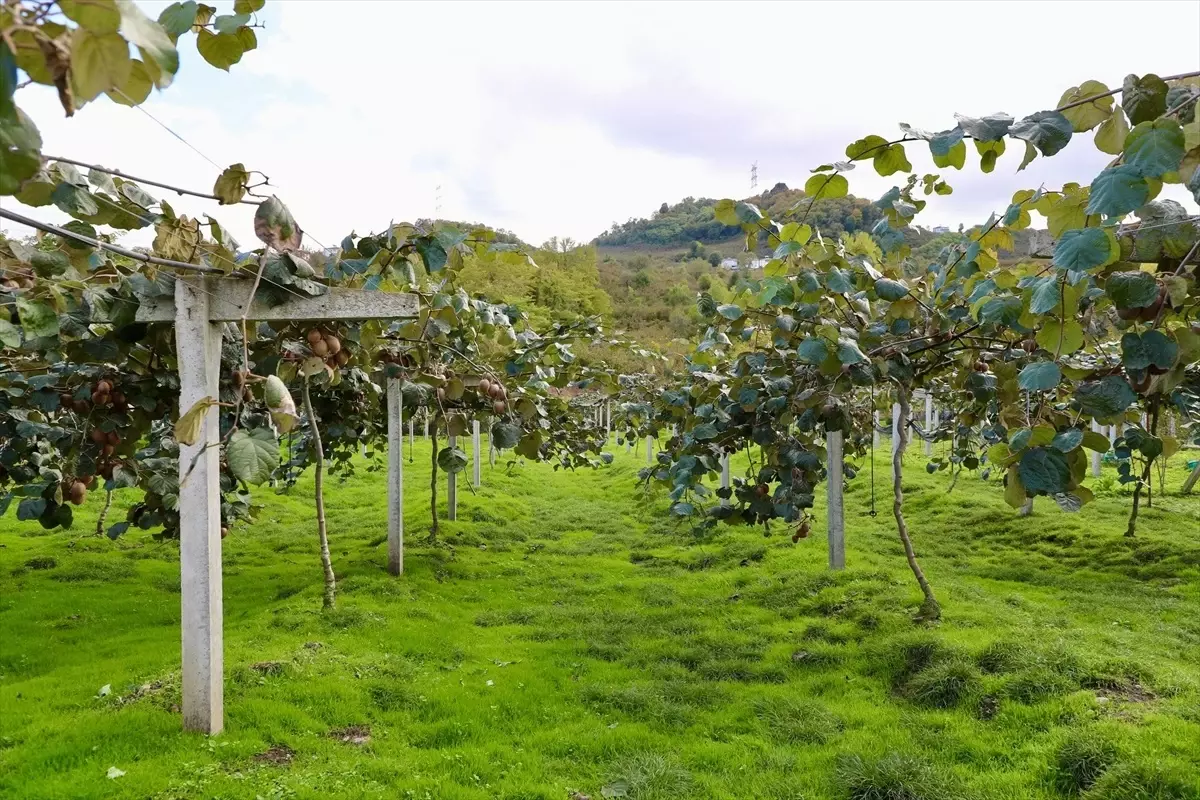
x,y
894,777
943,685
1140,781
797,721
1081,759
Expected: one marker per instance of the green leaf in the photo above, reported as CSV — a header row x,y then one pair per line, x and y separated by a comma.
x,y
178,18
191,422
1014,491
1110,136
867,146
31,508
252,455
1091,114
1046,295
1106,397
1084,249
991,128
1094,440
229,23
10,336
20,156
98,63
222,50
891,160
37,318
432,253
275,226
1144,98
230,187
849,353
451,460
1067,440
1040,376
955,157
1063,338
890,290
98,16
838,280
795,232
1118,191
812,351
1150,349
1004,311
1044,470
730,311
723,211
157,48
1048,131
136,88
1030,155
988,153
829,187
1135,289
247,6
505,435
1155,148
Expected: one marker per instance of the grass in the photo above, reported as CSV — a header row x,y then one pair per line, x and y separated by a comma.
x,y
569,637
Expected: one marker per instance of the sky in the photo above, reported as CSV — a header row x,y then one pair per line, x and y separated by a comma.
x,y
557,119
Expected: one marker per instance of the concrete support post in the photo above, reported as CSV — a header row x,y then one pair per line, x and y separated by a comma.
x,y
928,423
476,460
725,482
835,514
452,489
1095,455
198,347
395,481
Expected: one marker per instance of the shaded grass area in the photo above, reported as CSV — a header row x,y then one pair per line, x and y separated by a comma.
x,y
567,636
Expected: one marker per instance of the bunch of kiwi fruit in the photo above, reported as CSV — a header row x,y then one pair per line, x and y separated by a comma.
x,y
329,347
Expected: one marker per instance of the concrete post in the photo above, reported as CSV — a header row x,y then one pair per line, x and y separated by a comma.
x,y
395,484
835,514
476,460
198,348
1095,455
895,429
928,423
649,450
452,490
607,420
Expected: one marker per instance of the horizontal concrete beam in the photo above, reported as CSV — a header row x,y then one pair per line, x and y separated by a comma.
x,y
227,300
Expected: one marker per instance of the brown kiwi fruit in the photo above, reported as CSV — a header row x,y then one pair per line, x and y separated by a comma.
x,y
107,450
315,336
499,406
319,348
342,358
98,436
334,344
77,493
114,438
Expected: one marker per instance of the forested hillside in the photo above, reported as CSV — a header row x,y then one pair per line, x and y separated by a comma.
x,y
692,220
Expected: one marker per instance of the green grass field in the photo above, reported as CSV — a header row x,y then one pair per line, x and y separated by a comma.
x,y
569,637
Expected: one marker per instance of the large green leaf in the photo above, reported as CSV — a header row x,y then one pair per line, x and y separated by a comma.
x,y
1134,289
1150,349
252,455
505,435
730,311
230,187
136,88
222,50
1117,191
1046,295
1040,376
20,151
955,156
990,128
1004,311
37,318
891,160
1106,397
157,48
275,226
98,63
1144,98
1110,136
1083,249
178,18
98,16
10,336
1044,470
891,290
1155,148
826,186
812,351
1048,131
451,460
988,153
1089,115
1067,440
1058,337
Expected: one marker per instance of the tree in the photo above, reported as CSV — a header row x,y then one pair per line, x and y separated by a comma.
x,y
714,258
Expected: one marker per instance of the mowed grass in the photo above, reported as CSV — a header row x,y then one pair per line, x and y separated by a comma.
x,y
567,636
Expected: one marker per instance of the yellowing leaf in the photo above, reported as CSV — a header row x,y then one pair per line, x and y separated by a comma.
x,y
187,428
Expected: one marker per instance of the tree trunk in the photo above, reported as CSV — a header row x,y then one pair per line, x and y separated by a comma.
x,y
322,532
930,610
103,514
433,528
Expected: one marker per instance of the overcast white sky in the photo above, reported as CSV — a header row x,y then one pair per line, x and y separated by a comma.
x,y
560,118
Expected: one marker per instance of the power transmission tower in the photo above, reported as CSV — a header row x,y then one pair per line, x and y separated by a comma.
x,y
753,177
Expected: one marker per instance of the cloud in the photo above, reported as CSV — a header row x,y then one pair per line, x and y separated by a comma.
x,y
558,119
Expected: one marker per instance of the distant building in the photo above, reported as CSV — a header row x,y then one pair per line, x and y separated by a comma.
x,y
757,263
729,263
941,229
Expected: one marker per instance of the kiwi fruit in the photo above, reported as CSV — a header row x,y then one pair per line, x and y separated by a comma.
x,y
77,493
319,348
315,336
333,344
